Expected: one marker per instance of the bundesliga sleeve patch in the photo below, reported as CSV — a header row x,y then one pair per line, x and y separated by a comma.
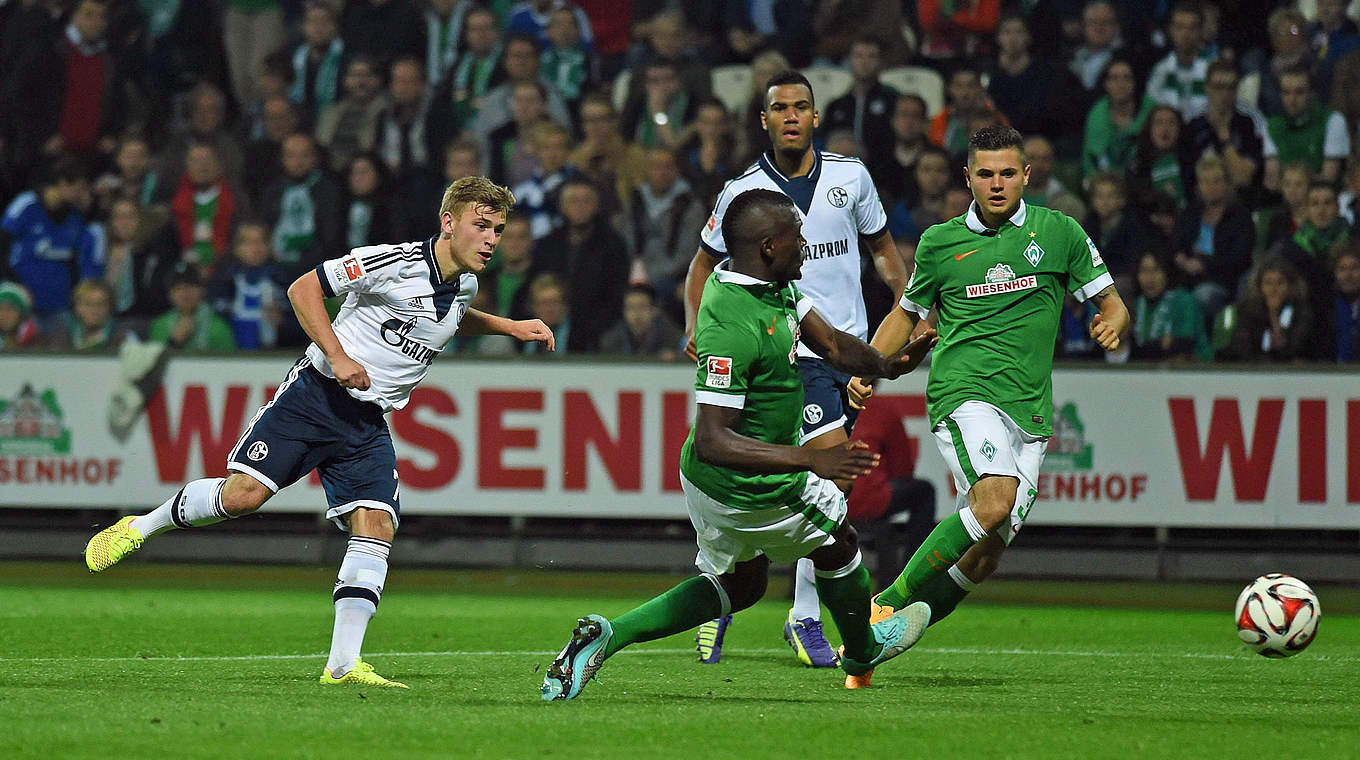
x,y
1095,253
353,269
719,372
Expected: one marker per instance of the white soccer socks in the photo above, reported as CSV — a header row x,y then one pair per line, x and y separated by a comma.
x,y
197,504
358,589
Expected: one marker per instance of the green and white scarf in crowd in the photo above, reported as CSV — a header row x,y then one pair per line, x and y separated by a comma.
x,y
297,221
327,75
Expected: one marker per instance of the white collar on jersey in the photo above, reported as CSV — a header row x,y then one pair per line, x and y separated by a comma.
x,y
975,224
727,275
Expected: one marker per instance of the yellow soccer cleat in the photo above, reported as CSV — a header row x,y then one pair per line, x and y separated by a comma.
x,y
877,612
112,544
363,675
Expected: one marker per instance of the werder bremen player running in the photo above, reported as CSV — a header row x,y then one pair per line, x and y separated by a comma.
x,y
753,494
996,277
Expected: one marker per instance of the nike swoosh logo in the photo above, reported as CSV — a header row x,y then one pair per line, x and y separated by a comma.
x,y
966,255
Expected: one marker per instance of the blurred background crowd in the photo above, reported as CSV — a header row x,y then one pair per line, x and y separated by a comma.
x,y
167,167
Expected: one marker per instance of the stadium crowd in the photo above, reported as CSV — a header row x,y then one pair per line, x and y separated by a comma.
x,y
167,168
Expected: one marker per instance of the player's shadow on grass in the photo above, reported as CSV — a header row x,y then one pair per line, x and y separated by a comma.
x,y
907,680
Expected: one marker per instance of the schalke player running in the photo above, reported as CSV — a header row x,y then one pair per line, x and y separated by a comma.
x,y
753,494
839,204
996,277
403,303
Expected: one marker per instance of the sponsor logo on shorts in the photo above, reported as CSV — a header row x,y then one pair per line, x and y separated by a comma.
x,y
812,414
719,372
257,451
353,269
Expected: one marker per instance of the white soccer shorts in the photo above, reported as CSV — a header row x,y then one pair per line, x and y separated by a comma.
x,y
978,439
728,535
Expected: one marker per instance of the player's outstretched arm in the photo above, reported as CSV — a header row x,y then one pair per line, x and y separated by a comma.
x,y
716,442
847,353
700,267
309,304
477,322
890,337
1112,320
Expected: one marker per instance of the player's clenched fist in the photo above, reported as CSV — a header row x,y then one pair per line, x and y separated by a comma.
x,y
349,373
859,390
1104,334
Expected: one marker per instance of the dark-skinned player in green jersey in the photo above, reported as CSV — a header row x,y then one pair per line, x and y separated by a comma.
x,y
754,495
995,278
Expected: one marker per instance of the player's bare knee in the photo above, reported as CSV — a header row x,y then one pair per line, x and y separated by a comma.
x,y
992,499
243,494
746,583
837,555
372,523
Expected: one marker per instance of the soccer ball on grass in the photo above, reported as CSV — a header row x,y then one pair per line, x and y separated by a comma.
x,y
1277,615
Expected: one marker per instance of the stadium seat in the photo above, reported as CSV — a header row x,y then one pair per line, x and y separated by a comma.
x,y
1249,89
732,85
917,80
828,83
619,92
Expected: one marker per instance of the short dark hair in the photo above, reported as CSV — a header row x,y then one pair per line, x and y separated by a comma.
x,y
790,76
1322,184
745,211
64,168
999,137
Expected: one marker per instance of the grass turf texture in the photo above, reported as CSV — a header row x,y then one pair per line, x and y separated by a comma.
x,y
179,661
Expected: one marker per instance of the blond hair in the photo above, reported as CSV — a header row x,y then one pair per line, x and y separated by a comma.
x,y
476,191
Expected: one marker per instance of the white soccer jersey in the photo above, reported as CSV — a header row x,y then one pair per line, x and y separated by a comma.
x,y
398,316
839,203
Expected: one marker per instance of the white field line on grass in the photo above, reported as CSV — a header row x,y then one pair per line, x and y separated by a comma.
x,y
689,650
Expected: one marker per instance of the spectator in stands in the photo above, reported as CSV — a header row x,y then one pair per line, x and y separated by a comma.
x,y
17,326
251,31
895,173
318,60
370,217
1100,44
175,47
668,36
866,110
457,97
1044,189
132,175
250,292
1214,239
511,157
1115,121
1160,161
1305,131
264,165
536,196
350,126
506,278
462,158
784,26
1274,321
1288,30
842,142
837,26
569,64
1280,222
1312,247
142,250
645,331
658,115
51,245
607,158
206,125
591,259
190,324
1178,79
204,208
274,80
384,29
444,24
950,128
533,18
906,223
1227,131
550,302
661,223
1331,36
1167,321
521,65
1117,230
30,32
91,325
1037,95
709,157
1340,331
951,30
73,98
401,138
1349,198
303,208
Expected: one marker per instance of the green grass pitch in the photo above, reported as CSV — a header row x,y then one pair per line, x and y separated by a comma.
x,y
171,661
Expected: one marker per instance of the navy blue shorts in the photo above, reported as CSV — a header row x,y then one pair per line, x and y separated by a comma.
x,y
826,403
312,423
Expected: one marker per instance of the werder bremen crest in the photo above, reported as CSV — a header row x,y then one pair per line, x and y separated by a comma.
x,y
1033,253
